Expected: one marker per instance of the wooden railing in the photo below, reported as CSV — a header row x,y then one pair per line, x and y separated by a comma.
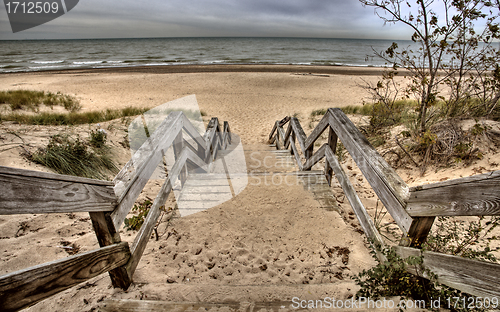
x,y
108,203
413,208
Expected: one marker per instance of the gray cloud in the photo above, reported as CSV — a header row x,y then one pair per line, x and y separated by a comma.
x,y
177,18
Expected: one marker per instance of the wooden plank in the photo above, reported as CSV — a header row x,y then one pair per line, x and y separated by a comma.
x,y
227,131
474,277
277,141
178,148
314,159
127,305
26,191
271,135
192,131
332,143
299,134
107,236
478,195
133,177
281,133
287,135
387,184
364,218
418,232
52,176
26,287
315,134
209,137
295,152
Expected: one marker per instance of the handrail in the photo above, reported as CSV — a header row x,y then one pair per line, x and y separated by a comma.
x,y
108,203
27,191
26,287
413,209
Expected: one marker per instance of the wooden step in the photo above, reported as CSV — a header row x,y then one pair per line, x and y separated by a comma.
x,y
229,298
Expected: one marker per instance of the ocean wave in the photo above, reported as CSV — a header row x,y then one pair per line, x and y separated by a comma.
x,y
47,62
88,63
45,67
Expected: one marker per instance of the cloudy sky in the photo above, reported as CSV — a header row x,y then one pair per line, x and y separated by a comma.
x,y
202,18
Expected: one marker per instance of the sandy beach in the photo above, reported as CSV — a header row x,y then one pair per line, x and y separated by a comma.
x,y
235,252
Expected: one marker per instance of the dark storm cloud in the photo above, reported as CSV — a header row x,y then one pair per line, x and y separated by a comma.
x,y
177,18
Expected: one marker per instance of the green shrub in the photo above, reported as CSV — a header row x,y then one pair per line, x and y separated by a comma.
x,y
134,223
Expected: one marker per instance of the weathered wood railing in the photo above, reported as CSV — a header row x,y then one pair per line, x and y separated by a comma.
x,y
108,203
413,208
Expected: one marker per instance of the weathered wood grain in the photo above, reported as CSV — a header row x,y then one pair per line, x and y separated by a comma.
x,y
478,195
364,218
143,164
287,135
417,234
126,305
26,191
271,136
281,133
52,176
209,136
387,184
314,159
192,132
315,134
332,143
474,277
295,151
107,235
24,288
299,134
227,133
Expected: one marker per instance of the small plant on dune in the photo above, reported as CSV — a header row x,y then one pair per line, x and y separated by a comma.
x,y
140,212
66,155
390,278
97,138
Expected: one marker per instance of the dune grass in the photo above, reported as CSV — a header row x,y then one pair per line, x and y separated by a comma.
x,y
73,118
69,156
27,99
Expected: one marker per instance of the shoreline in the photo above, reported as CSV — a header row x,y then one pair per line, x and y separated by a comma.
x,y
218,68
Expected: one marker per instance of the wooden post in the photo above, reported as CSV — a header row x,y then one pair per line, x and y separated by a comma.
x,y
418,232
332,142
107,235
178,147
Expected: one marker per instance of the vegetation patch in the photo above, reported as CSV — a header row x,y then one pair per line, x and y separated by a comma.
x,y
468,239
73,118
77,157
26,99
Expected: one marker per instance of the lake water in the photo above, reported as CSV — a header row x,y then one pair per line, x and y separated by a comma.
x,y
38,55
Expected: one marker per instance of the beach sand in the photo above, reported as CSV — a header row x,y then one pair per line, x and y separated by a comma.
x,y
269,243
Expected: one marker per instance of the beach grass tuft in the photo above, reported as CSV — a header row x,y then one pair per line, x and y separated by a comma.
x,y
66,155
27,99
73,118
